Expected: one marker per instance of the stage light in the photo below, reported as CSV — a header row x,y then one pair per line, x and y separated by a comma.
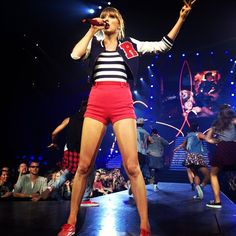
x,y
151,97
100,7
151,86
150,108
108,3
232,83
152,65
183,54
141,79
99,149
135,92
152,75
231,72
212,53
232,94
91,11
197,54
169,55
148,67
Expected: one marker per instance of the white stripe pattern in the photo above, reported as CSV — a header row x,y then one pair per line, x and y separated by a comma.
x,y
110,66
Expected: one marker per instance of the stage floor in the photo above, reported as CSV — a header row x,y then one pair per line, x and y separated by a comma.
x,y
172,212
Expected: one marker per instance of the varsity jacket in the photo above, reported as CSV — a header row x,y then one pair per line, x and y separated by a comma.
x,y
130,49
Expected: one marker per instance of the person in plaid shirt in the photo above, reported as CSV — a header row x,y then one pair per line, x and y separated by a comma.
x,y
71,156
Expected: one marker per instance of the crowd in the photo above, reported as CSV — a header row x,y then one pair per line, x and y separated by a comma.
x,y
28,184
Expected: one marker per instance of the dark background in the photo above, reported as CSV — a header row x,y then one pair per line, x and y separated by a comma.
x,y
43,85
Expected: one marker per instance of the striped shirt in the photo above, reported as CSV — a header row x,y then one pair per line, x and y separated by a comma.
x,y
110,66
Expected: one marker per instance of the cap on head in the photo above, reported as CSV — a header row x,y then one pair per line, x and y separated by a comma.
x,y
140,121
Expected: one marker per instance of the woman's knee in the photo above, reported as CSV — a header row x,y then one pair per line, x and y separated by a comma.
x,y
132,169
84,168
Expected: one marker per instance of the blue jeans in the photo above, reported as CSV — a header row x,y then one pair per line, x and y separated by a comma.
x,y
68,175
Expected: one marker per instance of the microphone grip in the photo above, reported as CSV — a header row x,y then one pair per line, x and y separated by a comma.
x,y
92,22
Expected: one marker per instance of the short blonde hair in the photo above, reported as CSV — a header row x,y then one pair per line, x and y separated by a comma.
x,y
113,10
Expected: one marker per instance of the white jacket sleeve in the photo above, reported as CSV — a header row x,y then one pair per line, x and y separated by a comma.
x,y
153,46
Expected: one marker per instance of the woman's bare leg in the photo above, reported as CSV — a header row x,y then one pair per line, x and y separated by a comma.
x,y
92,134
196,177
126,134
215,183
206,175
190,175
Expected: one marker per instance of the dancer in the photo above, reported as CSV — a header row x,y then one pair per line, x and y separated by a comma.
x,y
143,138
224,129
193,144
113,61
155,152
71,157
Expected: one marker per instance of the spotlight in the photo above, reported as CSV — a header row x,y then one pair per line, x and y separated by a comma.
x,y
91,11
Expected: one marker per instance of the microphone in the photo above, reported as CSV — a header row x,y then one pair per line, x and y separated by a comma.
x,y
93,22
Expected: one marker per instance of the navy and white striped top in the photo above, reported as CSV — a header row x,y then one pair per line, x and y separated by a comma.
x,y
110,66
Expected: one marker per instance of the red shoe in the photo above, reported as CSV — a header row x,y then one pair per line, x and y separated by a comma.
x,y
89,203
67,230
144,232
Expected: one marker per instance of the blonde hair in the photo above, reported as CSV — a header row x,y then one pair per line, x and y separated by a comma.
x,y
113,10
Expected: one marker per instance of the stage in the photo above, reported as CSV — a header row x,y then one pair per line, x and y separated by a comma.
x,y
172,211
